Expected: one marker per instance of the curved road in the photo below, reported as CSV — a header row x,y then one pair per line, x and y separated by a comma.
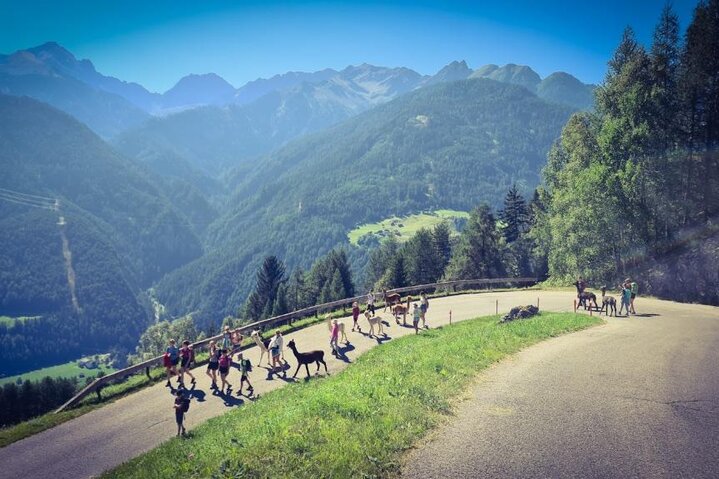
x,y
612,390
636,397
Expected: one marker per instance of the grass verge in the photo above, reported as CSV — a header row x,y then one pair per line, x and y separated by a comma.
x,y
356,423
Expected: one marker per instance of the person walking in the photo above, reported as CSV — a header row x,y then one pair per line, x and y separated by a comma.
x,y
370,301
626,293
181,406
415,318
275,347
245,366
355,316
334,335
423,307
186,357
236,341
213,363
173,356
226,339
634,287
224,363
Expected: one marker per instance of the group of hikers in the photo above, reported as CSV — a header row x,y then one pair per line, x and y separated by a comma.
x,y
627,289
221,355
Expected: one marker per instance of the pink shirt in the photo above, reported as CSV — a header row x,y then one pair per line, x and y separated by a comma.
x,y
335,331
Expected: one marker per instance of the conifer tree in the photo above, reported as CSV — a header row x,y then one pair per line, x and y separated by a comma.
x,y
514,215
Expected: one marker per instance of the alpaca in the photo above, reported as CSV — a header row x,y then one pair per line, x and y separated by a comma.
x,y
341,328
400,309
608,302
307,358
374,321
391,299
262,344
586,298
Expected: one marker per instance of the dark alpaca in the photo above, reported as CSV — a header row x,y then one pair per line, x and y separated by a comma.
x,y
307,358
608,302
586,298
392,299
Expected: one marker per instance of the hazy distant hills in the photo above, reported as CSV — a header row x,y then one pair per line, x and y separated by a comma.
x,y
450,145
217,138
279,108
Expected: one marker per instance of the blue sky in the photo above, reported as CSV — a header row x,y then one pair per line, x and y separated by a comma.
x,y
157,42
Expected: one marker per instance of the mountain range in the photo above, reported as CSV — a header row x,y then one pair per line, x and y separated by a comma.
x,y
110,106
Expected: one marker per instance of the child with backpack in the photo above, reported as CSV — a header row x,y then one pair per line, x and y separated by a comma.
x,y
626,293
173,357
423,307
245,367
182,405
415,318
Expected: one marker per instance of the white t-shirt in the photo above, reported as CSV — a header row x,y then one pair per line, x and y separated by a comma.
x,y
370,298
276,342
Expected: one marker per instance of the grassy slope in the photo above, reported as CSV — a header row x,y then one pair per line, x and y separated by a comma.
x,y
410,224
358,422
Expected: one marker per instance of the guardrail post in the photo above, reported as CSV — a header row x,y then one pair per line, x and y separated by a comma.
x,y
496,306
537,302
575,306
99,396
450,316
147,372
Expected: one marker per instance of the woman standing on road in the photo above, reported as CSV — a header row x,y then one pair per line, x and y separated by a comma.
x,y
634,287
213,364
224,362
185,361
334,335
275,348
370,301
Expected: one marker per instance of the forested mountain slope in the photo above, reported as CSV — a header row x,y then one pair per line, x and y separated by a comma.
x,y
452,145
122,234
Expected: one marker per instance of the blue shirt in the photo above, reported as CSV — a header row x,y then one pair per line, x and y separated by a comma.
x,y
173,352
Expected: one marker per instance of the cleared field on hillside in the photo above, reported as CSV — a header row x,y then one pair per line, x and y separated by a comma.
x,y
66,370
403,228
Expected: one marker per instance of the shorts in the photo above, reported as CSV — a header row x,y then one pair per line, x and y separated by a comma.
x,y
212,366
224,371
634,295
243,377
174,361
423,308
275,352
179,416
185,362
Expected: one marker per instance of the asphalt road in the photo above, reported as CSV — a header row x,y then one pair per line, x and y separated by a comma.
x,y
636,397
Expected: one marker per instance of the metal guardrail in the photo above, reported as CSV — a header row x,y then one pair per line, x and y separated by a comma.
x,y
122,374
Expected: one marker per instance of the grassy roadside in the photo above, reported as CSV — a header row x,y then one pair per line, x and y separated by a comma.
x,y
356,423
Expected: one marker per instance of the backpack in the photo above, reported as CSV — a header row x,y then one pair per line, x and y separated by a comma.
x,y
248,364
185,404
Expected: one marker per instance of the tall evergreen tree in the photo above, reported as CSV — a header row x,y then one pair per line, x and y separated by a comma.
x,y
478,253
269,277
514,215
442,242
421,261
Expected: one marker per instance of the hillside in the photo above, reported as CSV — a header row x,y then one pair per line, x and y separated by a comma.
x,y
452,145
214,139
121,234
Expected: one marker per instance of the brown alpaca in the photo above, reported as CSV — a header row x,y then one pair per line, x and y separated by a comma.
x,y
608,302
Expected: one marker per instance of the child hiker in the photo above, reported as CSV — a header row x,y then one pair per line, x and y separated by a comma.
x,y
244,378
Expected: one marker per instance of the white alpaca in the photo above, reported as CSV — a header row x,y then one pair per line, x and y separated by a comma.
x,y
341,327
374,321
255,335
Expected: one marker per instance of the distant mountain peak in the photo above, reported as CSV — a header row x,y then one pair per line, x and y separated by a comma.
x,y
454,71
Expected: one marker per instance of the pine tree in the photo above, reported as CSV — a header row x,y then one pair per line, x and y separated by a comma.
x,y
261,301
395,276
280,306
478,254
514,215
442,243
421,262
